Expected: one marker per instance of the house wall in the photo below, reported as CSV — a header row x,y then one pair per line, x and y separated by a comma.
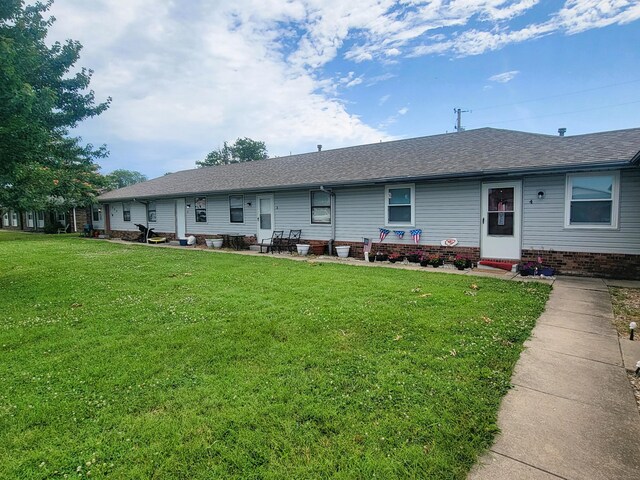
x,y
543,221
218,217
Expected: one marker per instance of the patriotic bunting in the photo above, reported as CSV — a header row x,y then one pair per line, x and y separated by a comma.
x,y
383,233
399,234
415,234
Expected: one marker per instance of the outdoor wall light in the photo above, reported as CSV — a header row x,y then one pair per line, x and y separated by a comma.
x,y
632,329
188,205
540,195
248,204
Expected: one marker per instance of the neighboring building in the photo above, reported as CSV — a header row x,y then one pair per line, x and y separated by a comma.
x,y
35,221
502,194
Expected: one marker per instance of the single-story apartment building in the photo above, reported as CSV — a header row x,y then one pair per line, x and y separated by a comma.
x,y
502,195
71,220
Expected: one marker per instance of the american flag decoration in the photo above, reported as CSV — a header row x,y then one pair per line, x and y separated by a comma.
x,y
383,233
399,234
367,245
415,234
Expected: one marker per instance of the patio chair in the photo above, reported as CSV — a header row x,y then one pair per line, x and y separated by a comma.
x,y
274,243
63,228
294,238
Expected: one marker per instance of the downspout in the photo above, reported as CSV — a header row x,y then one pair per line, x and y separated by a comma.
x,y
75,223
332,203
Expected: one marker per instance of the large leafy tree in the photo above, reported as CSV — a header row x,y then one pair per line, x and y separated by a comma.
x,y
242,150
41,165
123,178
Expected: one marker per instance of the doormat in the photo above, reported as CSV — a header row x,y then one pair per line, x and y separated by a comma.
x,y
501,265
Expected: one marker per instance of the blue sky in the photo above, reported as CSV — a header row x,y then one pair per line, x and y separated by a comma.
x,y
186,76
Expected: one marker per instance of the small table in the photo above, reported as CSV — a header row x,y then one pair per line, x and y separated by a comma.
x,y
234,240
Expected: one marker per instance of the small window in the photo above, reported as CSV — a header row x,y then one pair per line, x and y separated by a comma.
x,y
236,208
151,212
320,207
5,219
126,212
201,209
399,205
61,217
96,213
14,219
592,200
40,219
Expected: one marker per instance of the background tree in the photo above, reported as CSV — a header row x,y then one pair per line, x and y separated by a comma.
x,y
41,166
243,150
123,178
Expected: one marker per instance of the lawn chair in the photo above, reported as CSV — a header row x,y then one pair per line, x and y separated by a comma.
x,y
294,238
87,230
274,243
63,228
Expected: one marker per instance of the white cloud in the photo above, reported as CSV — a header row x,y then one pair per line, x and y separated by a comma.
x,y
504,77
382,100
194,74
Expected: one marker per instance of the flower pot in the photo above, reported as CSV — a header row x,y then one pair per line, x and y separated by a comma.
x,y
343,251
547,271
209,242
302,248
413,258
525,272
216,242
382,257
460,267
424,263
183,242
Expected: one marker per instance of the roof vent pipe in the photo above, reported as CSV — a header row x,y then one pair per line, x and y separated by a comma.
x,y
319,148
562,131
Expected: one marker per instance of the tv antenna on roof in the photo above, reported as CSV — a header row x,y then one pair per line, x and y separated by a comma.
x,y
458,126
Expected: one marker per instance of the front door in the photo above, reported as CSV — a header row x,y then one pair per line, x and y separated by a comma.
x,y
501,220
265,217
181,218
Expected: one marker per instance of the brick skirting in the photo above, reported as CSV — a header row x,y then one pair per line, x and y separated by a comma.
x,y
609,265
448,253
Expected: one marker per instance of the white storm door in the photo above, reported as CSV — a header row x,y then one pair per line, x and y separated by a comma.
x,y
501,220
181,218
265,217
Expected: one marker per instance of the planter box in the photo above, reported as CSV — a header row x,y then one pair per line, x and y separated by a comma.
x,y
302,248
343,251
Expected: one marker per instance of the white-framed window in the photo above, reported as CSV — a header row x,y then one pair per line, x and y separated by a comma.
x,y
96,213
40,219
399,205
591,200
201,209
320,207
126,212
14,218
151,212
30,223
236,208
5,219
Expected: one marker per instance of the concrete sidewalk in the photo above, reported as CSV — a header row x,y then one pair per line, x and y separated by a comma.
x,y
571,414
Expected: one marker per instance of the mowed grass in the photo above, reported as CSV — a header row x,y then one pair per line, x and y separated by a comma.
x,y
126,361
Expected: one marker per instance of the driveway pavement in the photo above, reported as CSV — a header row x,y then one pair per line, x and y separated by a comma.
x,y
571,414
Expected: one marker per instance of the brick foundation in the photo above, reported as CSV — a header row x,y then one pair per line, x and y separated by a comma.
x,y
609,265
448,253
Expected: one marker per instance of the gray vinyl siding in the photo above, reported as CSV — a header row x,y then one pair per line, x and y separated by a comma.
x,y
443,210
138,215
218,216
293,212
543,221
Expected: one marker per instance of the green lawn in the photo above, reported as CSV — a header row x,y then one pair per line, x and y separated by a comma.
x,y
140,362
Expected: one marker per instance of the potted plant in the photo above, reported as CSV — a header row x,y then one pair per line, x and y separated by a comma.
x,y
435,261
527,268
414,257
302,249
395,257
424,261
381,257
343,250
461,262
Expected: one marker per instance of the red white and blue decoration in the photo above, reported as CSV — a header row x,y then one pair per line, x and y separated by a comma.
x,y
415,234
399,234
449,242
383,233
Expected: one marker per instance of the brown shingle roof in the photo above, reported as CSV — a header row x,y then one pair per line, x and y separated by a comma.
x,y
472,153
